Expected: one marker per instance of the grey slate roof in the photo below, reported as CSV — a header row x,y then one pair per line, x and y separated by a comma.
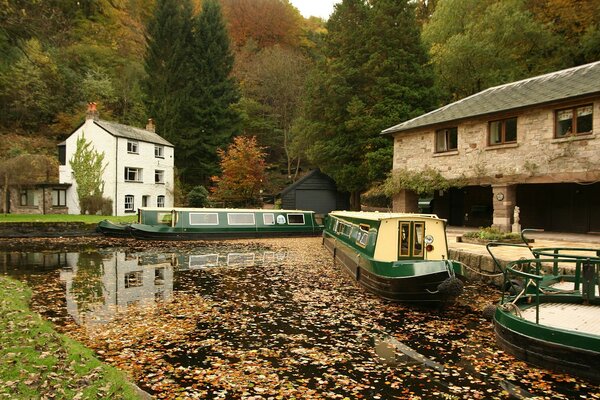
x,y
560,85
131,132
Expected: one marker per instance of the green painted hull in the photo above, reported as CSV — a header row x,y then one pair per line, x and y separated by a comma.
x,y
109,228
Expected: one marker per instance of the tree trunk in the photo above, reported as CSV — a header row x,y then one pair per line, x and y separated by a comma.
x,y
355,201
5,195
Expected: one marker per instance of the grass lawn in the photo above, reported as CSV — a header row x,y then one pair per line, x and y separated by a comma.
x,y
91,219
37,362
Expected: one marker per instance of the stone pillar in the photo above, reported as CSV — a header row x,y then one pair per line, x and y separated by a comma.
x,y
406,201
505,199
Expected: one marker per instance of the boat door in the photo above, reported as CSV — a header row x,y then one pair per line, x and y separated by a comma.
x,y
410,239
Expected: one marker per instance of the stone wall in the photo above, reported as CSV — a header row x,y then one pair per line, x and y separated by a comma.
x,y
43,229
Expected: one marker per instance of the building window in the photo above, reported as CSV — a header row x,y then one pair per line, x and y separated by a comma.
x,y
59,198
145,200
133,174
574,121
132,147
129,205
159,152
134,279
160,201
29,198
159,176
503,131
446,140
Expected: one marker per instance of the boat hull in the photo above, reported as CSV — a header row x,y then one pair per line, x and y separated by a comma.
x,y
566,352
422,288
111,229
175,234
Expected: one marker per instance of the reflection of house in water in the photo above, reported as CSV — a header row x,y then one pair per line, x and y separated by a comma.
x,y
247,259
99,285
33,261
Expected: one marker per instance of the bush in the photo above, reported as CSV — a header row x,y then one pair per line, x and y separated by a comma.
x,y
492,234
198,197
96,204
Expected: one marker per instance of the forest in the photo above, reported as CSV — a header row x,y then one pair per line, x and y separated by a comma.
x,y
312,93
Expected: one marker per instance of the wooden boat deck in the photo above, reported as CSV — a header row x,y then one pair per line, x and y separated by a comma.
x,y
567,286
573,317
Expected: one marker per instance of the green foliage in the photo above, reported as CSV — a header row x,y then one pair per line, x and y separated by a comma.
x,y
198,197
492,234
374,73
475,44
243,166
87,166
96,204
426,181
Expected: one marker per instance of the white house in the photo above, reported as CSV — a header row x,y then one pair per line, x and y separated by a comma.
x,y
139,164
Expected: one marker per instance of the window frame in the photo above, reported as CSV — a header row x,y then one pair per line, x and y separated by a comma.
x,y
268,219
132,202
231,219
296,215
160,201
447,132
573,110
503,140
133,147
30,194
159,151
138,174
204,223
159,176
60,195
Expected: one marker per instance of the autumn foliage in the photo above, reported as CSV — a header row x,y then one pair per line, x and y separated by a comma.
x,y
243,172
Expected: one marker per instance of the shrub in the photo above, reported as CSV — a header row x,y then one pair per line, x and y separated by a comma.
x,y
492,234
198,197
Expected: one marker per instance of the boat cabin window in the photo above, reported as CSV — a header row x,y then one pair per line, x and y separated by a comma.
x,y
362,237
204,219
240,219
295,219
411,239
269,219
164,218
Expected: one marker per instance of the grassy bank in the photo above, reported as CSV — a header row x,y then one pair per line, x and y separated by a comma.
x,y
37,362
51,218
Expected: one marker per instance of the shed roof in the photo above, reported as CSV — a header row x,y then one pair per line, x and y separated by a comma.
x,y
560,85
131,132
315,173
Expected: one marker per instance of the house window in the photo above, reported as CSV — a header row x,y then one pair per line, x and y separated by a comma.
x,y
133,174
503,131
29,198
129,205
59,198
446,140
134,279
160,201
159,152
159,176
574,121
132,147
145,200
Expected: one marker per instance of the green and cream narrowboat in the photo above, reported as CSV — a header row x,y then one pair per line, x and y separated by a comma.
x,y
400,257
222,223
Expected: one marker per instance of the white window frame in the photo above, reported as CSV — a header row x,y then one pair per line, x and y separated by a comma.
x,y
160,201
133,147
269,219
131,203
216,222
231,221
137,171
296,223
59,197
159,151
159,176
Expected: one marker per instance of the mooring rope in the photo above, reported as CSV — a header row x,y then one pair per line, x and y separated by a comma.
x,y
479,272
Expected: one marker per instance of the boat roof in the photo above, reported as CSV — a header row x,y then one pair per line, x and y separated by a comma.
x,y
379,216
254,210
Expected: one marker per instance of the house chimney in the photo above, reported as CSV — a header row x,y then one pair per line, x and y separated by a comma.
x,y
150,125
92,112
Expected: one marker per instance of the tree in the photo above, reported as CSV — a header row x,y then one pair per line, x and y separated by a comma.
x,y
475,44
198,197
243,166
87,166
210,106
274,84
374,74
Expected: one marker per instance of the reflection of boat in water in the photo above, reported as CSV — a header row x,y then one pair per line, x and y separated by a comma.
x,y
549,314
233,259
401,257
214,223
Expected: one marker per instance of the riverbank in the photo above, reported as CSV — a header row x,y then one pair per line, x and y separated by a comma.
x,y
38,362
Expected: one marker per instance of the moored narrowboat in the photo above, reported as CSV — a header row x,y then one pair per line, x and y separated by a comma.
x,y
549,315
398,256
109,228
222,223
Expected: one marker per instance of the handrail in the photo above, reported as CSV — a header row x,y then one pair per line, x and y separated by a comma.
x,y
500,244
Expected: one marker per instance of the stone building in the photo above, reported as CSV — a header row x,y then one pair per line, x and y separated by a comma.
x,y
534,144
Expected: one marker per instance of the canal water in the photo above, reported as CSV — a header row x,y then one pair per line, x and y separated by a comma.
x,y
271,319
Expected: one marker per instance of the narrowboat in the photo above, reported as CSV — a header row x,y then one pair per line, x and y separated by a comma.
x,y
549,314
400,257
109,228
222,223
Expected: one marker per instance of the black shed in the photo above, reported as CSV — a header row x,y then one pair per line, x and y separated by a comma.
x,y
314,192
